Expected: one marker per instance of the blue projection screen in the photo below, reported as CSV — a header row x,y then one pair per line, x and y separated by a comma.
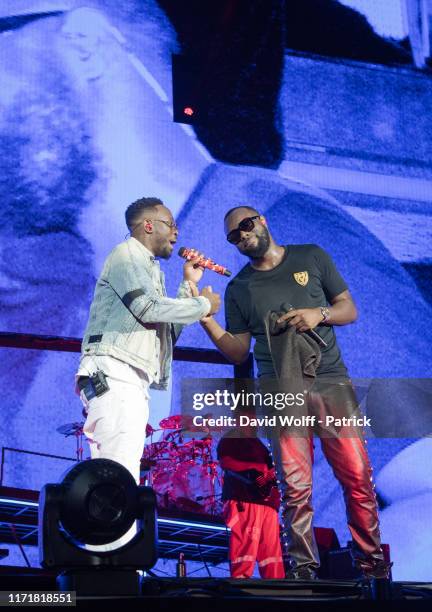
x,y
86,128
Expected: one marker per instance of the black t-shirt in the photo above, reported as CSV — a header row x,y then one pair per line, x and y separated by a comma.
x,y
240,485
305,278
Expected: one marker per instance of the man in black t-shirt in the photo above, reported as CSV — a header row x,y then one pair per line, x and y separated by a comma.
x,y
305,277
252,293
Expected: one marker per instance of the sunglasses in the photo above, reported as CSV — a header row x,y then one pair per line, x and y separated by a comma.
x,y
245,225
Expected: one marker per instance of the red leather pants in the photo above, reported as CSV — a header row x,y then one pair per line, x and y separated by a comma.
x,y
345,450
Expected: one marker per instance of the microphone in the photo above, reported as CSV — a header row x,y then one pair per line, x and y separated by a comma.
x,y
203,262
287,307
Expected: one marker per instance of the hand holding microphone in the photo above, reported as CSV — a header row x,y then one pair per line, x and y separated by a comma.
x,y
193,271
303,319
202,261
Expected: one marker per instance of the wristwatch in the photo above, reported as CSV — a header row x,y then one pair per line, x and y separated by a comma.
x,y
325,314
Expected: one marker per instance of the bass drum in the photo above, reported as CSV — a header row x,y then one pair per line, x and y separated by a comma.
x,y
192,489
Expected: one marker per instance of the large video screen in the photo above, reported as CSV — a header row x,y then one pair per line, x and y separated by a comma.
x,y
331,152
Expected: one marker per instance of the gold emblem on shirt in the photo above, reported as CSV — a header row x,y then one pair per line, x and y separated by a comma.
x,y
302,278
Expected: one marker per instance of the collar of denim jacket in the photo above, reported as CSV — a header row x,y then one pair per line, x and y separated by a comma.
x,y
146,251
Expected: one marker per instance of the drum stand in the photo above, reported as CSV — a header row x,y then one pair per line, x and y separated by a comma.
x,y
77,430
212,465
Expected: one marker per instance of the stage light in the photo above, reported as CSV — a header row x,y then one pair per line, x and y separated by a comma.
x,y
187,89
96,503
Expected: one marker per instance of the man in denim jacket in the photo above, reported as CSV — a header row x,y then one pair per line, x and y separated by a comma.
x,y
130,333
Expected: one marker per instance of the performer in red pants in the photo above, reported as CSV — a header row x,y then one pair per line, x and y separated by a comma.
x,y
251,508
301,284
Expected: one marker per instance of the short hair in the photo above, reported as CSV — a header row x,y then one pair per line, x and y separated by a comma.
x,y
135,210
231,210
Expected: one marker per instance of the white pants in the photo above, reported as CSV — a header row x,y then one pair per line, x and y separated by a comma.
x,y
116,421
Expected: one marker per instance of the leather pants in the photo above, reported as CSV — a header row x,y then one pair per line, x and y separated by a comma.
x,y
345,450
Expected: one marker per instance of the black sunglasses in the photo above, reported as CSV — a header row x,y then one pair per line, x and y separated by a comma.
x,y
245,225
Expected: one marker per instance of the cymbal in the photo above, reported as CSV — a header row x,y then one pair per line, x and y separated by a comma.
x,y
71,429
150,430
171,422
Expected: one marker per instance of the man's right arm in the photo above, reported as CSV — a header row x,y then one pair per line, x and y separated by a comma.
x,y
235,347
139,295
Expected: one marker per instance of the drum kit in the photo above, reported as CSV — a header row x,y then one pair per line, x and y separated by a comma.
x,y
184,474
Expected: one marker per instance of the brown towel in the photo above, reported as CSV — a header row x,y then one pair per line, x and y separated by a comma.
x,y
295,356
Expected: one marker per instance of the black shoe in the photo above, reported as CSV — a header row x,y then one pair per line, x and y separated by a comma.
x,y
379,570
301,573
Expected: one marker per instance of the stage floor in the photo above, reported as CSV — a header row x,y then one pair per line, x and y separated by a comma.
x,y
214,594
200,538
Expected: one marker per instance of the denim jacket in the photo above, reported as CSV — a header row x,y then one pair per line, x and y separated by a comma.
x,y
131,318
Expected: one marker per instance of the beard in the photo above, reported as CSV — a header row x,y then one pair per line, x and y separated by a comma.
x,y
163,251
260,249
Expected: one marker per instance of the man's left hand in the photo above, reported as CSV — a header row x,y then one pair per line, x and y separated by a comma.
x,y
302,318
191,270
